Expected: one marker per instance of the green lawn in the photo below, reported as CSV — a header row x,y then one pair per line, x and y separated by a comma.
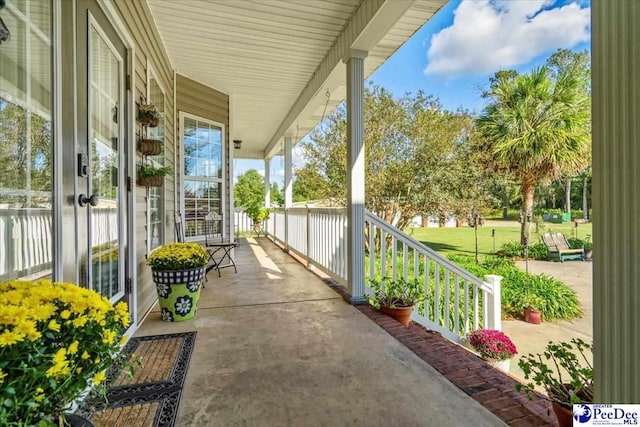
x,y
461,240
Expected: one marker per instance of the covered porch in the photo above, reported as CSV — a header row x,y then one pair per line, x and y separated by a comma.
x,y
277,346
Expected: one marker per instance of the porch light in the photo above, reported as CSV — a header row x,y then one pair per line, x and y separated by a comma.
x,y
237,143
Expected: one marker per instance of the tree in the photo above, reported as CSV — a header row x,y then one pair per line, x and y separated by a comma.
x,y
418,158
275,195
249,190
25,155
537,126
310,184
576,63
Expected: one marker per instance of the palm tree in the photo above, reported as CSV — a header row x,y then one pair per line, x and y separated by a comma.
x,y
536,127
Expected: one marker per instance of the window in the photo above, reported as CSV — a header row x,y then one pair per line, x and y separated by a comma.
x,y
155,202
203,143
26,147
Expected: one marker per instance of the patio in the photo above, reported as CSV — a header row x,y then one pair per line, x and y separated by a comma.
x,y
276,346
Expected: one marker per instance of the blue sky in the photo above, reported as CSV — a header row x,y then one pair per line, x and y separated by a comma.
x,y
455,53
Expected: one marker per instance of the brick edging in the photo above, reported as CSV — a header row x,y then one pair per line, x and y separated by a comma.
x,y
490,387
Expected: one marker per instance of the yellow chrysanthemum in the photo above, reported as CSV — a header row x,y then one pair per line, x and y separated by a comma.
x,y
79,322
65,314
123,339
60,356
40,312
8,337
29,329
78,370
99,377
54,325
85,355
73,347
58,370
109,337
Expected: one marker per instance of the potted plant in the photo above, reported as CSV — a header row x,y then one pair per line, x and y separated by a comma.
x,y
177,270
56,340
587,244
493,346
148,115
152,176
566,377
396,298
532,305
258,215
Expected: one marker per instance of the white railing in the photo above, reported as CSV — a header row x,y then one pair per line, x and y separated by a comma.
x,y
455,301
26,238
25,241
242,221
316,234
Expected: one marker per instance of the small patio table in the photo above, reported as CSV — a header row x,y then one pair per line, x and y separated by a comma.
x,y
218,253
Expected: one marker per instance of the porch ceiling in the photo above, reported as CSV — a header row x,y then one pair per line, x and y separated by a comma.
x,y
278,58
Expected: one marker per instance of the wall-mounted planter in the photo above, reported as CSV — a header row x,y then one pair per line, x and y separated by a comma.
x,y
149,147
148,115
151,181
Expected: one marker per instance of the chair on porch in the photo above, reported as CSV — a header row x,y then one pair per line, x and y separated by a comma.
x,y
179,226
220,255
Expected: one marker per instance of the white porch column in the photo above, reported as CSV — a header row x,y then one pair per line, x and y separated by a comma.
x,y
355,175
288,176
616,199
288,186
267,183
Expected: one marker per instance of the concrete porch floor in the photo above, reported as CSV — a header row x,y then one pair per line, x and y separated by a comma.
x,y
277,347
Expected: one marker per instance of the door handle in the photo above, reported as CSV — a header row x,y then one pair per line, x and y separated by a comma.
x,y
92,200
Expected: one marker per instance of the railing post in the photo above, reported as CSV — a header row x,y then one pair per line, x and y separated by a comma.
x,y
494,302
10,264
308,237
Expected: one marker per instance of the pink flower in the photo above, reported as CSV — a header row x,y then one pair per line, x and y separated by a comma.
x,y
492,344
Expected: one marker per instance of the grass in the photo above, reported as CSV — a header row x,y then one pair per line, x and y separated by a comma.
x,y
450,240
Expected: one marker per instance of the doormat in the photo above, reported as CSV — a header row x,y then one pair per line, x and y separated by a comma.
x,y
151,396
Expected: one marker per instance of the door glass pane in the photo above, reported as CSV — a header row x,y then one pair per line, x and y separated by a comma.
x,y
26,141
104,94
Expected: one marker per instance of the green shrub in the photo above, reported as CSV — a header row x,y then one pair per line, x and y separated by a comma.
x,y
575,243
511,249
560,301
538,251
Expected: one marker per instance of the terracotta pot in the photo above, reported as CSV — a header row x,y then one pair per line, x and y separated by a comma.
x,y
532,316
401,314
564,415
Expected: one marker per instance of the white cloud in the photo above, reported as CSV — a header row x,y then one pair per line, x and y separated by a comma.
x,y
490,35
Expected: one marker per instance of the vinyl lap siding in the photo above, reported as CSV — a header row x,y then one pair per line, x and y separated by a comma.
x,y
148,46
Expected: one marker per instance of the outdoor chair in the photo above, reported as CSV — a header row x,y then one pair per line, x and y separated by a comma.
x,y
559,249
179,228
219,250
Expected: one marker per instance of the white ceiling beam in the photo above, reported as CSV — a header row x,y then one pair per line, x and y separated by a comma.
x,y
368,24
